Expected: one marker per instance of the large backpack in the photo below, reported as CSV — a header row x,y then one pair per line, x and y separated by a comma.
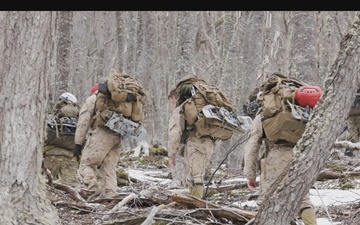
x,y
286,106
207,109
126,94
61,126
60,132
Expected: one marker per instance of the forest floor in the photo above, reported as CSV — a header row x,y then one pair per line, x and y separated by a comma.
x,y
133,205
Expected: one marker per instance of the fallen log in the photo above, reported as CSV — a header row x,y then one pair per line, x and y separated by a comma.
x,y
328,175
130,221
73,193
233,214
142,219
87,207
156,195
117,207
214,190
150,219
352,174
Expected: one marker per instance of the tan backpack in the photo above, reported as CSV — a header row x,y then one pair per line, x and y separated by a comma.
x,y
123,94
207,109
283,118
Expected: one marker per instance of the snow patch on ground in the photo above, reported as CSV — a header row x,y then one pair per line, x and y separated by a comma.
x,y
325,221
331,197
148,176
321,199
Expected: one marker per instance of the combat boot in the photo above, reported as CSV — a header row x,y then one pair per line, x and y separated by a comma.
x,y
197,190
93,186
308,216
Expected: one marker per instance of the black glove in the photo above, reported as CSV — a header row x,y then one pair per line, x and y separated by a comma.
x,y
130,97
77,151
349,152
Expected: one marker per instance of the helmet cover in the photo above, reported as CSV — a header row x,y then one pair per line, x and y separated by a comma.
x,y
67,96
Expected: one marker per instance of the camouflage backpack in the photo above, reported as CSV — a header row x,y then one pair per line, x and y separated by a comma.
x,y
207,109
286,106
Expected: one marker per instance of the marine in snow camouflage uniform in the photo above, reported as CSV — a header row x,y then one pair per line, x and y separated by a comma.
x,y
277,157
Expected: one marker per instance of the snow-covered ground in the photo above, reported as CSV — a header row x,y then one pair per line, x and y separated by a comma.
x,y
321,198
332,197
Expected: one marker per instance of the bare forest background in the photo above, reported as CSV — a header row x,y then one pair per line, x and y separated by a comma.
x,y
232,50
47,53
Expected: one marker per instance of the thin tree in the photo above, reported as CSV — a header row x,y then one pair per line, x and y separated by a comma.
x,y
25,46
314,148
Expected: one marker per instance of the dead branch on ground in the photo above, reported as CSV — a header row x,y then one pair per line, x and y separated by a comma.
x,y
233,214
347,144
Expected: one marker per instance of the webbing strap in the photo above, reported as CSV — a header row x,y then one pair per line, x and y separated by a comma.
x,y
56,128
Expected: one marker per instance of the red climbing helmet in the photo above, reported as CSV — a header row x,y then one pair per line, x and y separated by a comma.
x,y
308,95
94,88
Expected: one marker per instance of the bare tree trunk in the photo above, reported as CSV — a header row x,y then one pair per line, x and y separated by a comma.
x,y
63,57
186,32
314,148
302,46
121,31
132,27
25,45
331,28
